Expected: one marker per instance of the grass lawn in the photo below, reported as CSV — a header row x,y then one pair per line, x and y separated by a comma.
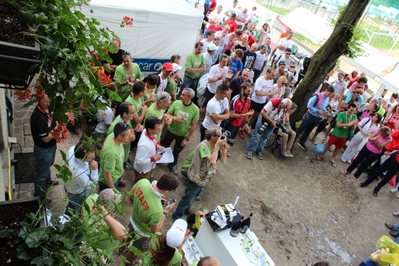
x,y
278,10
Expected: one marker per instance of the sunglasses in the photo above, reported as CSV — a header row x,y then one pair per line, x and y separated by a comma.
x,y
288,53
292,66
126,53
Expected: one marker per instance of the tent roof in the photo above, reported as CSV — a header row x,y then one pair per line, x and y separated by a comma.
x,y
374,63
179,8
308,24
391,80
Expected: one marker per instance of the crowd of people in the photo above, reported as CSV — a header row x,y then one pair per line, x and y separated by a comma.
x,y
248,92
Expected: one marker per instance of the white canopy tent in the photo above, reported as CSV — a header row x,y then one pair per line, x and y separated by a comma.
x,y
308,24
160,28
390,80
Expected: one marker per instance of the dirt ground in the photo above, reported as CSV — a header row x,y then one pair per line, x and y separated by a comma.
x,y
304,210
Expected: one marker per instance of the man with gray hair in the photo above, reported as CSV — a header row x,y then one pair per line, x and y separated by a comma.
x,y
184,116
158,108
269,119
98,216
199,167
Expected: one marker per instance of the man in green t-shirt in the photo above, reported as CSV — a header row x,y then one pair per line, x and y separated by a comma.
x,y
185,116
126,75
112,157
195,65
102,227
158,109
346,122
148,215
126,111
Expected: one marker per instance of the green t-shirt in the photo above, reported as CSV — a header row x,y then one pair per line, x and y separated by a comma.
x,y
204,151
152,111
343,132
176,259
112,158
189,113
137,106
148,94
171,87
126,147
147,208
194,61
121,75
100,232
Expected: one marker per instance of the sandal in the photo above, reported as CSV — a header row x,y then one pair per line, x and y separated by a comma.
x,y
333,164
319,158
353,179
344,173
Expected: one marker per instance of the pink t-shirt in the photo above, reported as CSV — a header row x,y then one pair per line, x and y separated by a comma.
x,y
371,146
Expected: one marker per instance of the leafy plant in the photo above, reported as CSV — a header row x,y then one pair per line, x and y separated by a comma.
x,y
66,37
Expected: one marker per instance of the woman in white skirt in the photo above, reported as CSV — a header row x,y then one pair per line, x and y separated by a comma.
x,y
366,127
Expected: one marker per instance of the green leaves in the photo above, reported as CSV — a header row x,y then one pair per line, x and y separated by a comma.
x,y
35,238
6,233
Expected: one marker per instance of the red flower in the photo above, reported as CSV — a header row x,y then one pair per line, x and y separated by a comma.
x,y
128,21
60,132
23,95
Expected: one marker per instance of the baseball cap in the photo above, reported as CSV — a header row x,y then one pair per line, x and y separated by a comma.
x,y
176,67
175,235
356,70
281,63
212,47
168,66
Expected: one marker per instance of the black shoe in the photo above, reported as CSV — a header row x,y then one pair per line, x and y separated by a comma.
x,y
302,146
127,167
53,183
394,233
121,184
390,226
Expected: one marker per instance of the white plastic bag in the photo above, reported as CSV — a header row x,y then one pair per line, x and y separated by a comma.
x,y
202,85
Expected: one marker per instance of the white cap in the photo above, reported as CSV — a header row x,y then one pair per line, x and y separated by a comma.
x,y
176,67
175,235
212,47
356,70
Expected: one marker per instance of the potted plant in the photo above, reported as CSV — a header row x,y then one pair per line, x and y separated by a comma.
x,y
14,214
19,53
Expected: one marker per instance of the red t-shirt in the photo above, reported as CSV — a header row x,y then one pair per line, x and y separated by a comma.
x,y
214,27
232,24
239,107
251,39
213,4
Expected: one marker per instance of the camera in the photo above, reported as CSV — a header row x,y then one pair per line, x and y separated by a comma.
x,y
169,202
283,128
225,135
263,128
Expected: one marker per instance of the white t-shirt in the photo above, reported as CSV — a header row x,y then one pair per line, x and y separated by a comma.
x,y
241,15
223,40
339,86
205,43
105,117
214,106
208,61
275,114
162,84
260,59
214,16
261,84
214,72
281,92
284,42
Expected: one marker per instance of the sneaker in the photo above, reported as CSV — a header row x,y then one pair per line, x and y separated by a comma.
x,y
313,140
289,153
285,154
241,133
198,198
394,190
127,166
302,146
260,155
249,155
53,183
396,214
173,169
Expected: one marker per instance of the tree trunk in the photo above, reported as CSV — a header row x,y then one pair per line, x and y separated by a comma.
x,y
326,57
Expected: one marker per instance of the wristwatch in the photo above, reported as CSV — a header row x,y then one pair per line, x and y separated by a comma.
x,y
187,139
165,213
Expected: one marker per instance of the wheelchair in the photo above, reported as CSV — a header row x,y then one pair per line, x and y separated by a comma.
x,y
275,141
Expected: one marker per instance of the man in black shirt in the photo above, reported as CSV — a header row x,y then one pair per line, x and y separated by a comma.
x,y
116,59
235,84
42,123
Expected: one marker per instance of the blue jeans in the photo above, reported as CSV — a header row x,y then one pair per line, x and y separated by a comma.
x,y
102,186
258,142
192,191
189,83
75,202
44,160
308,123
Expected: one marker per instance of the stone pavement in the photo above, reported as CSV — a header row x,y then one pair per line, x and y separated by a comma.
x,y
304,210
